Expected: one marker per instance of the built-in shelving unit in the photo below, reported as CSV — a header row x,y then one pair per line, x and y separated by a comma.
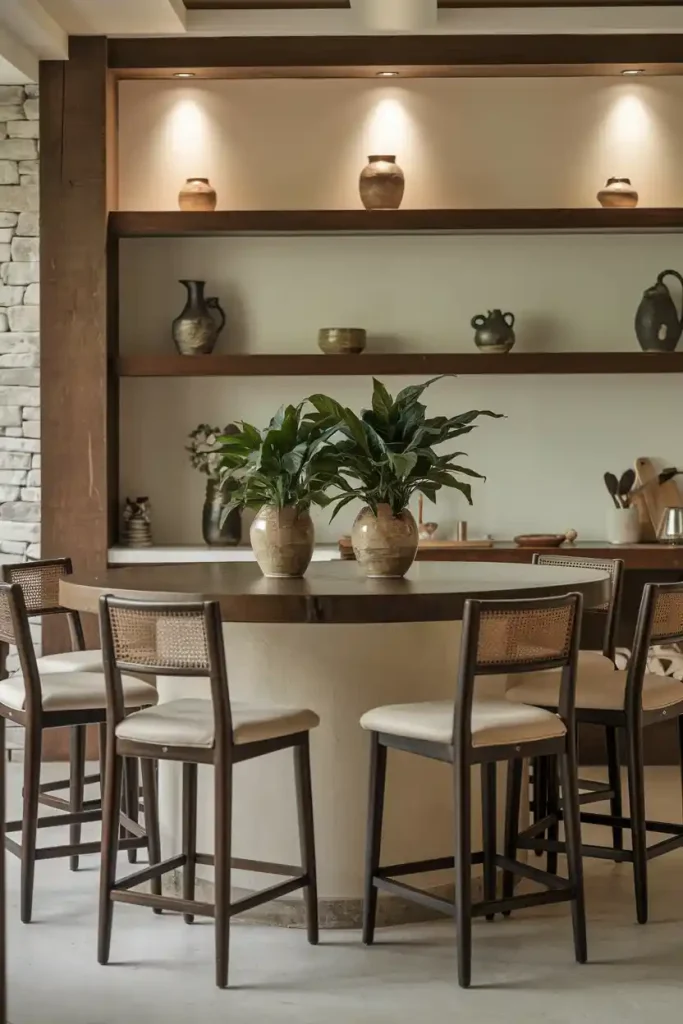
x,y
386,364
168,223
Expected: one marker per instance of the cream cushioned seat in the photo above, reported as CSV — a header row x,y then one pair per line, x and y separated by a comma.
x,y
71,661
189,723
75,691
599,685
493,724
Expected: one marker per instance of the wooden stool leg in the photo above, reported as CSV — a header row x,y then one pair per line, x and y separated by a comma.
x,y
614,778
680,748
512,806
32,751
636,795
102,743
76,784
3,895
373,839
488,828
540,772
463,866
189,833
553,807
304,799
222,854
572,827
151,804
132,797
110,844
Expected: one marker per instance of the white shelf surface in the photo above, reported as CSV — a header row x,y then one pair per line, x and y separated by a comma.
x,y
186,553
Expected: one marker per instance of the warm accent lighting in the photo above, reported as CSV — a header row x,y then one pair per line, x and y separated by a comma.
x,y
184,74
633,71
387,74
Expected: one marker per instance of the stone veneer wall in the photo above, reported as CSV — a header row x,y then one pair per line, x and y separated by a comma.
x,y
19,325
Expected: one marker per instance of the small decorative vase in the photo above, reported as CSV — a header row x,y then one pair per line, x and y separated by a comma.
x,y
341,341
217,530
197,196
618,193
385,545
282,540
195,331
137,524
658,326
493,332
381,184
623,526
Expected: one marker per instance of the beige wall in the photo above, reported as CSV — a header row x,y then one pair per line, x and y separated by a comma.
x,y
462,143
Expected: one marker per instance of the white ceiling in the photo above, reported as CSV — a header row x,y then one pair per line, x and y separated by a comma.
x,y
31,30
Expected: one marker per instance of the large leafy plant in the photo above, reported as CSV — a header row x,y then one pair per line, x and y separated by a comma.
x,y
389,452
289,463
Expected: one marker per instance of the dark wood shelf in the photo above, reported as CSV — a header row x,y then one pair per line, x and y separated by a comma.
x,y
408,364
168,223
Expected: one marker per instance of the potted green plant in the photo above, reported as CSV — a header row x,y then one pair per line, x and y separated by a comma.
x,y
218,528
382,458
280,471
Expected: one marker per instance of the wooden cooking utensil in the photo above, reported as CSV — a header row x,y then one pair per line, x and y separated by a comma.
x,y
655,496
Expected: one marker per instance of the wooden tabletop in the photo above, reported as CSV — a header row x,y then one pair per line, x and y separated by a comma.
x,y
333,592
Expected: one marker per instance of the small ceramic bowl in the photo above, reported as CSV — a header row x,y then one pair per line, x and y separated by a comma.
x,y
341,341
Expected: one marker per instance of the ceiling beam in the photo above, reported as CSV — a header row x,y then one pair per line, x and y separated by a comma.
x,y
34,28
395,15
17,64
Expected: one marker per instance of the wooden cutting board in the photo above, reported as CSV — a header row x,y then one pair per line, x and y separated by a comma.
x,y
655,497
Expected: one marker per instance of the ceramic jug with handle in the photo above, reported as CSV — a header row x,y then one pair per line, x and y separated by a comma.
x,y
658,325
493,332
196,331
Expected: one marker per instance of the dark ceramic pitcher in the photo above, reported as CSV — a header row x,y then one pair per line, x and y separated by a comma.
x,y
219,530
195,331
658,326
493,332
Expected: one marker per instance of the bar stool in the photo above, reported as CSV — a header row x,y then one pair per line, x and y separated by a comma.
x,y
628,701
498,637
46,702
186,639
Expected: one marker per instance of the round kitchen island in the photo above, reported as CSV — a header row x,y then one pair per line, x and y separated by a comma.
x,y
339,644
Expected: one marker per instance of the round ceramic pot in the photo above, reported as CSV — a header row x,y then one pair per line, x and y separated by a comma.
x,y
385,545
618,193
282,540
341,341
197,196
623,526
219,530
381,184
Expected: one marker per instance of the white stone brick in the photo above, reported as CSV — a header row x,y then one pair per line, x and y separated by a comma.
x,y
31,89
3,131
35,462
29,493
31,429
17,149
31,414
12,342
32,293
24,318
33,551
4,322
28,166
6,235
20,375
12,431
18,198
11,493
5,252
16,476
31,110
20,359
32,478
10,220
19,444
27,223
11,296
25,250
15,460
11,112
12,547
10,416
20,511
13,94
29,179
21,273
19,395
9,172
19,531
23,129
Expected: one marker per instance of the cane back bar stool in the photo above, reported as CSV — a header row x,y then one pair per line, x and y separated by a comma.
x,y
186,639
627,701
45,702
589,664
498,637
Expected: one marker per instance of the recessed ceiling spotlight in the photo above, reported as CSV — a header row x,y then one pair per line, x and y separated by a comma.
x,y
633,71
184,74
387,74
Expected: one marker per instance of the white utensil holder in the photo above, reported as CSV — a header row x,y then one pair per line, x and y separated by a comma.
x,y
623,526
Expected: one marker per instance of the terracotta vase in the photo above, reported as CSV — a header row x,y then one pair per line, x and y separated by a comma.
x,y
618,193
381,184
197,196
282,540
385,545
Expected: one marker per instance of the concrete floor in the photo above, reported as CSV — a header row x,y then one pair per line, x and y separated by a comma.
x,y
523,967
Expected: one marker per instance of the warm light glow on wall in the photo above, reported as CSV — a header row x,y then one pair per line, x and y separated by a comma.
x,y
388,127
629,122
188,130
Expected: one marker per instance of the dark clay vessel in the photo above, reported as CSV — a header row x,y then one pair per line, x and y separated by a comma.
x,y
493,332
658,325
195,331
216,531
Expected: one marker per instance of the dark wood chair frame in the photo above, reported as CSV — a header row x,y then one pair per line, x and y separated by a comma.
x,y
223,756
544,794
462,756
542,836
35,720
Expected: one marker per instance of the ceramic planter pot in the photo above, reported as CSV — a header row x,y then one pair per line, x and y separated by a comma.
x,y
381,184
197,196
623,525
385,545
618,193
282,540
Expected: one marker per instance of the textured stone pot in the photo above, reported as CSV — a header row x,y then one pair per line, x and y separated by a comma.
x,y
618,193
197,196
218,530
385,545
282,540
196,331
381,184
